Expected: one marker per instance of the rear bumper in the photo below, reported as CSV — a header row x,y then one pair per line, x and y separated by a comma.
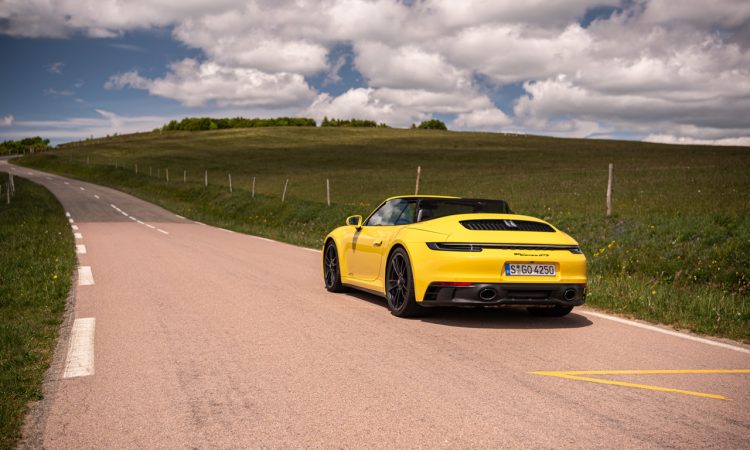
x,y
506,294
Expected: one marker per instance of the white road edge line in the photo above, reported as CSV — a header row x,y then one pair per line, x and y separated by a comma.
x,y
132,218
78,235
80,359
162,231
312,250
85,277
177,215
140,222
151,226
668,332
74,227
80,249
66,182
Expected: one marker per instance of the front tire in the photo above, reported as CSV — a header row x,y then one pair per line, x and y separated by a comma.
x,y
399,286
332,268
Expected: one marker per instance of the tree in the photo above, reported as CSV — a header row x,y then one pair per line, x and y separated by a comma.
x,y
434,124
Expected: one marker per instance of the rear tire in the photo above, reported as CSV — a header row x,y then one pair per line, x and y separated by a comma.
x,y
399,286
332,268
555,311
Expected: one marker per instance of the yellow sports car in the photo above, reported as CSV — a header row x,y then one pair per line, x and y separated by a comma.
x,y
422,251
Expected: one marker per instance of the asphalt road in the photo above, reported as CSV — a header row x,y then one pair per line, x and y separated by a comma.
x,y
204,338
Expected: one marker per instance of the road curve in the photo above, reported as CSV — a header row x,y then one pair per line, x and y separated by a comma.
x,y
206,338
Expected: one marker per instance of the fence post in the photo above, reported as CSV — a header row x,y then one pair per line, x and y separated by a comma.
x,y
328,192
230,182
253,194
419,172
136,168
205,178
184,176
7,194
12,185
167,169
283,195
609,190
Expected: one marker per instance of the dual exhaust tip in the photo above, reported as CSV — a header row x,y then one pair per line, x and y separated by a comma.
x,y
489,294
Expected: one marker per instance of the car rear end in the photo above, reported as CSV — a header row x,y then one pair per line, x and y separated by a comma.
x,y
498,260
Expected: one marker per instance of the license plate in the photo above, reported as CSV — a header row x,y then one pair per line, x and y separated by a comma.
x,y
530,270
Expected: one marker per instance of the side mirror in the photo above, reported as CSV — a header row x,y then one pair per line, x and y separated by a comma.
x,y
354,221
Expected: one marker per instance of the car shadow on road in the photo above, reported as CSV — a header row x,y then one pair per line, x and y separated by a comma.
x,y
501,318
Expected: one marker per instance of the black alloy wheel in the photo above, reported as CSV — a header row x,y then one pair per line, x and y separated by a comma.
x,y
399,285
332,269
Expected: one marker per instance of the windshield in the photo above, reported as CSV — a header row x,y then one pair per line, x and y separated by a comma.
x,y
432,208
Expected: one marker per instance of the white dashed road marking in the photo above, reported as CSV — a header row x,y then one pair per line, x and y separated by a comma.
x,y
80,249
96,196
85,277
66,182
70,220
82,188
67,214
78,235
74,227
80,359
135,219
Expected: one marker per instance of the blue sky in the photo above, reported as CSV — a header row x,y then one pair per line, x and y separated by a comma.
x,y
664,71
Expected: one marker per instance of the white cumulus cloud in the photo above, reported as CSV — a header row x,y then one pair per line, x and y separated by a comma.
x,y
197,84
659,69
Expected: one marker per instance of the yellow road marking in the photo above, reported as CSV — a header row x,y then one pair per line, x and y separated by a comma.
x,y
576,375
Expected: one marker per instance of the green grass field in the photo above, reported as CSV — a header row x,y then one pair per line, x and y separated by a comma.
x,y
36,262
675,250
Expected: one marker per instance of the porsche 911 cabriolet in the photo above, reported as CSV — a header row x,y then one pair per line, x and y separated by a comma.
x,y
424,251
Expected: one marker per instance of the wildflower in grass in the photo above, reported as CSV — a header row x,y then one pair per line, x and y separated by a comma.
x,y
54,276
653,292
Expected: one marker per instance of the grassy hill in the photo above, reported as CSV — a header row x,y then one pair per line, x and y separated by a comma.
x,y
675,250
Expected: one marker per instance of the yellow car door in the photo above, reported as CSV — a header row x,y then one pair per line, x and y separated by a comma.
x,y
370,242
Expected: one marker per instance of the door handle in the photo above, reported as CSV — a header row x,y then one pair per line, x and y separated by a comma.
x,y
377,243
